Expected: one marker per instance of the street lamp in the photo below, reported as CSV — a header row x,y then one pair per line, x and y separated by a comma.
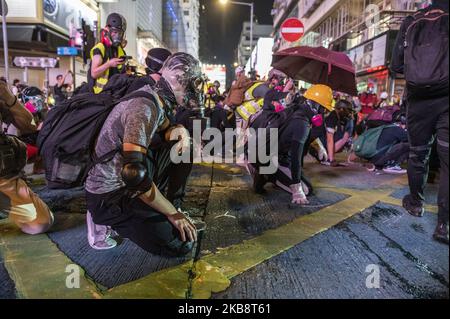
x,y
252,9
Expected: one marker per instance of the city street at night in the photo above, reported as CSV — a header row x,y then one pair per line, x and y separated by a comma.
x,y
237,152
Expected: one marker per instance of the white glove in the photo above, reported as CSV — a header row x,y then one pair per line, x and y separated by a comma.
x,y
320,149
298,195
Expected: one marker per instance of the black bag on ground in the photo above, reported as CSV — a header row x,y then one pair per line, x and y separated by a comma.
x,y
67,139
426,53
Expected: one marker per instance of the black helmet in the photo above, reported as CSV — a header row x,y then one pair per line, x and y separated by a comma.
x,y
156,58
116,21
31,92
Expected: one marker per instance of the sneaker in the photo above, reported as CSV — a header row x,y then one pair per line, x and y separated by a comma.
x,y
99,236
199,224
441,233
395,169
416,210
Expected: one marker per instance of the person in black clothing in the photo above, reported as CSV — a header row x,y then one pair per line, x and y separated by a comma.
x,y
427,118
393,147
339,129
294,126
58,89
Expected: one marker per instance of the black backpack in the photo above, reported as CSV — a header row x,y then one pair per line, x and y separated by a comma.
x,y
67,139
426,53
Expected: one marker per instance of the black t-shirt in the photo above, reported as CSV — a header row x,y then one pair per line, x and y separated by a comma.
x,y
59,94
333,123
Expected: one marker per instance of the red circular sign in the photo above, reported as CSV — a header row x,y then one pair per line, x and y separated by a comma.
x,y
292,29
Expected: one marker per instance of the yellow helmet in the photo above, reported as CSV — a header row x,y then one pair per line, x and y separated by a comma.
x,y
321,94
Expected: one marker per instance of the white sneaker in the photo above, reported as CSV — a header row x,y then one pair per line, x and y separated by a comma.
x,y
394,170
99,235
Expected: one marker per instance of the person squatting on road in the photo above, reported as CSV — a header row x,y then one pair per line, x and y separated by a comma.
x,y
123,192
17,201
421,54
294,127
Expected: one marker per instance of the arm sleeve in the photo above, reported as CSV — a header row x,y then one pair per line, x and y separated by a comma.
x,y
397,60
140,122
296,151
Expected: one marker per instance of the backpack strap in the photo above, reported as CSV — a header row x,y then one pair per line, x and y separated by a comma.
x,y
137,94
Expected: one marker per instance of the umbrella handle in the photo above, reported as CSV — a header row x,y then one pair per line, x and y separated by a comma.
x,y
329,68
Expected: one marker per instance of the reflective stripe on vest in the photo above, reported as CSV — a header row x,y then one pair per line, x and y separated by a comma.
x,y
101,82
251,105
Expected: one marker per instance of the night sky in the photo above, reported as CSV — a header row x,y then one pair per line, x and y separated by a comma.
x,y
220,28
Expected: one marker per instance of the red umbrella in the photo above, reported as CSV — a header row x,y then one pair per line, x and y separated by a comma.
x,y
318,66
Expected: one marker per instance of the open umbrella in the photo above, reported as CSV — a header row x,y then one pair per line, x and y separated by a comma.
x,y
318,66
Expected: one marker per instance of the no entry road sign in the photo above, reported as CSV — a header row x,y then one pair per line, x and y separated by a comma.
x,y
292,30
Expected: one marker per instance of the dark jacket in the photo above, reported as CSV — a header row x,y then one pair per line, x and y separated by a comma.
x,y
397,61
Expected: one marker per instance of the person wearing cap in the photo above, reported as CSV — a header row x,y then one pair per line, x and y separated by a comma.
x,y
108,56
294,127
339,126
154,61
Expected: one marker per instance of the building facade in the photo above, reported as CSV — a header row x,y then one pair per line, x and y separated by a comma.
x,y
35,28
365,29
181,25
259,31
191,20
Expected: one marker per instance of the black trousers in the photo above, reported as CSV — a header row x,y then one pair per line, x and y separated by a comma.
x,y
133,219
427,121
399,153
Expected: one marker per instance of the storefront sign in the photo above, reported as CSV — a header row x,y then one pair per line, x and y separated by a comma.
x,y
67,51
34,62
22,9
370,55
63,14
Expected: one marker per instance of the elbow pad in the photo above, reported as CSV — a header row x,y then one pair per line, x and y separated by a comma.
x,y
135,172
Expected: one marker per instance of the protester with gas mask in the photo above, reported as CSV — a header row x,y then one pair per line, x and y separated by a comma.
x,y
17,201
108,56
122,193
294,126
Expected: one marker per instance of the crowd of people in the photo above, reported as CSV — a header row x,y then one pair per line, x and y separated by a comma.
x,y
127,127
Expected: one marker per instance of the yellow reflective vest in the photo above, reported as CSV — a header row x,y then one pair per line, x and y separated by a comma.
x,y
103,79
251,105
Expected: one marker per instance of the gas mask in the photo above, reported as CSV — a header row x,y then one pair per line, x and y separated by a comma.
x,y
34,104
113,37
183,75
316,113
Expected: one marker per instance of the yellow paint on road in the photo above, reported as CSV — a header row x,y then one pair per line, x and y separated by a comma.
x,y
38,267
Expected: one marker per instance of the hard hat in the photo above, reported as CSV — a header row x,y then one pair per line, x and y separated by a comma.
x,y
321,94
